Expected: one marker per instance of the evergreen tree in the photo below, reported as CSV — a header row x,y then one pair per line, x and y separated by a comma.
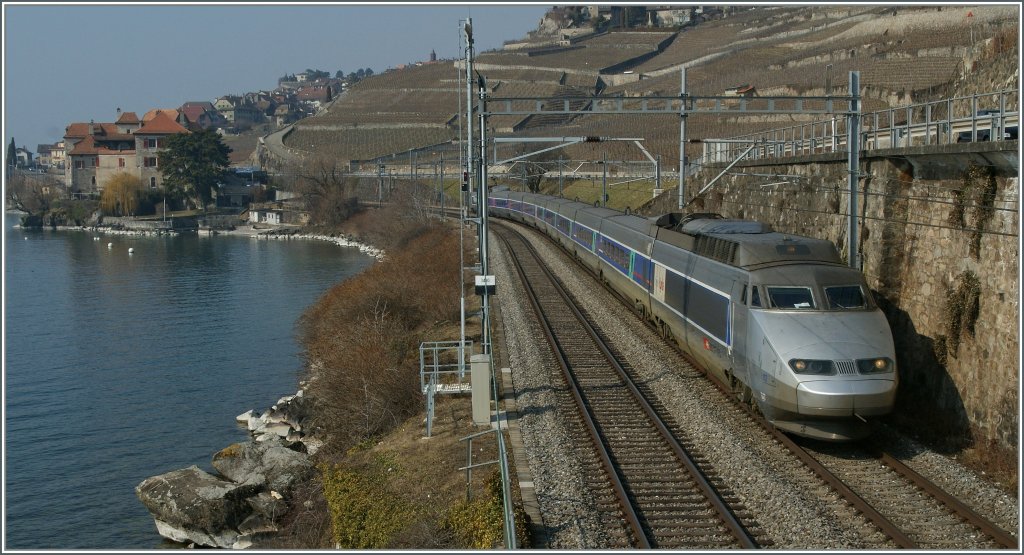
x,y
192,163
12,157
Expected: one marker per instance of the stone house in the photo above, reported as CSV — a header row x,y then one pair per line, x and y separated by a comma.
x,y
96,152
235,110
201,115
44,154
315,93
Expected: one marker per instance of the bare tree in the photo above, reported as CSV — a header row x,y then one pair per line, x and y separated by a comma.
x,y
328,192
35,196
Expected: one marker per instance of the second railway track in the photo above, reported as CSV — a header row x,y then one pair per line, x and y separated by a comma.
x,y
665,498
932,521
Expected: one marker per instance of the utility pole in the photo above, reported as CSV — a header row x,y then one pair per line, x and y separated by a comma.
x,y
657,173
468,28
482,213
853,141
380,184
604,180
440,184
682,137
559,176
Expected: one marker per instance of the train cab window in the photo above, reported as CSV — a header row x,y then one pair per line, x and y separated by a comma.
x,y
791,297
845,297
755,297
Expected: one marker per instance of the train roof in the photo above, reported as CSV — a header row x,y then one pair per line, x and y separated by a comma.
x,y
743,243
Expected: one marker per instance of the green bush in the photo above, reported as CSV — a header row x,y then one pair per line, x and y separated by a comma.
x,y
479,524
365,514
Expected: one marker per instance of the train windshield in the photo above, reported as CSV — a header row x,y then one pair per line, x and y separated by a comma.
x,y
844,297
791,297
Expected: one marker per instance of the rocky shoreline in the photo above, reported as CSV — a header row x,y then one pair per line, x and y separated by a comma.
x,y
339,239
250,494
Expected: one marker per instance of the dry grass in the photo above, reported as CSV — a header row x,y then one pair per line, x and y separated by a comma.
x,y
420,475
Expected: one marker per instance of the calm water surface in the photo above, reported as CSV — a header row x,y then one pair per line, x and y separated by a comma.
x,y
119,367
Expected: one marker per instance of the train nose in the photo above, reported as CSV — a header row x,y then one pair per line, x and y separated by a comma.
x,y
837,398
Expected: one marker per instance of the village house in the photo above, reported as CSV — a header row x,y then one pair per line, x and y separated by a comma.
x,y
235,110
745,90
96,152
23,157
315,93
201,115
50,156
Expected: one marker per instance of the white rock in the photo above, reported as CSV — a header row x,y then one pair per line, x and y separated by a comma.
x,y
278,428
312,445
245,417
224,539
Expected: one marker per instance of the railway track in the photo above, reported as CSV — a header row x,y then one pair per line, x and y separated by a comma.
x,y
912,511
901,504
651,487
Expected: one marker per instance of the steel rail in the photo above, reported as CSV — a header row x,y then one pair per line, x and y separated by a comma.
x,y
1001,536
884,524
632,519
723,511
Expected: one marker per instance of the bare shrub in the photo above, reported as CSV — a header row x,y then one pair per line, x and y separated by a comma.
x,y
406,215
361,338
121,194
30,195
328,192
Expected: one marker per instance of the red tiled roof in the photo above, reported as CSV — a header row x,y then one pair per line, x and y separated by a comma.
x,y
89,146
160,124
128,118
193,112
81,129
198,103
169,112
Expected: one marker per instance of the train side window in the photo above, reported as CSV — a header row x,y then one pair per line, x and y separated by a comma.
x,y
755,297
743,295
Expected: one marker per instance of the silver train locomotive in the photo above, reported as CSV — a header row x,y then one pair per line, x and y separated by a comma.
x,y
778,317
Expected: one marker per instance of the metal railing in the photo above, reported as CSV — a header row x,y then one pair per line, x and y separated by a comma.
x,y
978,117
443,370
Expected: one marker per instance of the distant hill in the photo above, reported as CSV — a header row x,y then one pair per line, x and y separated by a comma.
x,y
905,54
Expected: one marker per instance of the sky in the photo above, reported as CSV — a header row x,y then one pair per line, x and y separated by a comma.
x,y
65,63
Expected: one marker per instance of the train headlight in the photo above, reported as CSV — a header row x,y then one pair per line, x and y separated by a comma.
x,y
814,367
879,365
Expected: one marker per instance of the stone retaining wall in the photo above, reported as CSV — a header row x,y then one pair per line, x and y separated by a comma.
x,y
171,224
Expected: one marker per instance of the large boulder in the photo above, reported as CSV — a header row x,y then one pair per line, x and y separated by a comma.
x,y
268,464
191,505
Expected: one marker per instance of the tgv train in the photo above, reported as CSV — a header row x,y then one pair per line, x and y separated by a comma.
x,y
776,316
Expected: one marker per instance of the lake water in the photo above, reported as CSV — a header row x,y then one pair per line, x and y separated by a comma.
x,y
123,366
